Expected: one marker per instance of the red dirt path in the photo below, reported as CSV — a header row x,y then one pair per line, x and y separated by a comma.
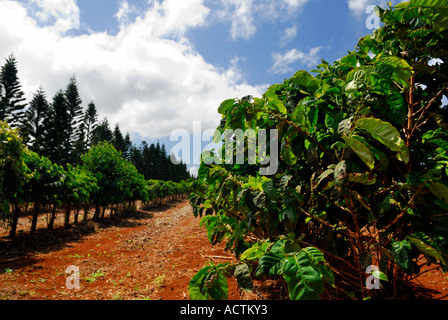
x,y
146,255
152,256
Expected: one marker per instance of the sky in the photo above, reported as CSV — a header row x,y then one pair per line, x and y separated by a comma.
x,y
158,66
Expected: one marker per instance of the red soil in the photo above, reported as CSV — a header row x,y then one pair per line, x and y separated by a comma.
x,y
145,255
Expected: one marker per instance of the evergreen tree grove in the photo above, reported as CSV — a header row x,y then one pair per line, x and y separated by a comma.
x,y
11,95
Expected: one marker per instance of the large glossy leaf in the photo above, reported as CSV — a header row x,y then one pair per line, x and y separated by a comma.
x,y
269,190
274,102
243,277
394,68
272,262
305,81
209,284
385,133
397,112
361,150
255,252
421,243
401,251
436,12
439,190
303,276
225,106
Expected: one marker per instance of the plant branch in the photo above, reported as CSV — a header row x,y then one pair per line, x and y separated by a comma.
x,y
425,109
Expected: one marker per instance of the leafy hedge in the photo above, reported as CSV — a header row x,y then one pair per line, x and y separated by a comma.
x,y
103,179
362,178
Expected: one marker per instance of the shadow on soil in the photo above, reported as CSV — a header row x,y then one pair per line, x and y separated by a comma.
x,y
18,252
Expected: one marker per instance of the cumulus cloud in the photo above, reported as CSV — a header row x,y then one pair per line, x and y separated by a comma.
x,y
282,62
243,15
358,7
288,35
147,77
64,14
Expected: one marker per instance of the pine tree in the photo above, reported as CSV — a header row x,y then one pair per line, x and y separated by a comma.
x,y
147,157
127,146
36,114
102,133
118,139
57,132
136,159
90,123
12,97
76,136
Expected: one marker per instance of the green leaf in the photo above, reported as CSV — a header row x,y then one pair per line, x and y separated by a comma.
x,y
361,150
345,127
436,11
323,176
380,275
385,133
395,68
366,178
401,251
225,106
255,252
272,262
424,248
286,151
243,277
305,81
439,190
397,108
269,190
303,275
290,213
274,102
209,284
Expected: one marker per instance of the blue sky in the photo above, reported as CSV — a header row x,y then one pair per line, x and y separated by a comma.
x,y
329,25
155,66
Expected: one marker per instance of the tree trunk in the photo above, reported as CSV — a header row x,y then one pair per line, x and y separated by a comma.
x,y
96,214
103,212
52,218
86,212
67,217
78,207
15,220
35,217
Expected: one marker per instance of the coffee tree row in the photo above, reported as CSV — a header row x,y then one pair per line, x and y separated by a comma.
x,y
362,184
103,180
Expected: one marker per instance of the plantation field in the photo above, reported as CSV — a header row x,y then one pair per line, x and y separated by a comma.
x,y
145,255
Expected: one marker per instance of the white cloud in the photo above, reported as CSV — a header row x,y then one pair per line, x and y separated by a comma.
x,y
174,17
358,7
282,62
289,34
64,13
244,14
125,10
148,83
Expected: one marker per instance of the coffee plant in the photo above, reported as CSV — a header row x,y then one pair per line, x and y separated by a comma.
x,y
103,180
362,174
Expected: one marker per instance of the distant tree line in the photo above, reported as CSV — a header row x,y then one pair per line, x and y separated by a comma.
x,y
62,131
